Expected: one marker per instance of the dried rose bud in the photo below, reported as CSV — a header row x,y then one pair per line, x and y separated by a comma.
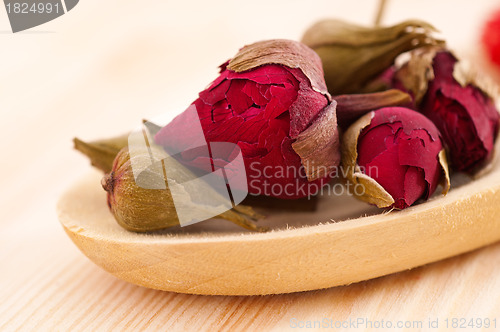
x,y
396,155
136,208
142,208
456,101
271,100
353,55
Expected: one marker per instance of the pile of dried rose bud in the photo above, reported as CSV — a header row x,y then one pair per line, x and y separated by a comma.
x,y
271,100
299,112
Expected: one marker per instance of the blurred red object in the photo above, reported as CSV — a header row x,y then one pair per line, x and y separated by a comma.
x,y
491,38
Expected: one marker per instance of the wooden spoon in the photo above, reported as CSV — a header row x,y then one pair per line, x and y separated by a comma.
x,y
216,258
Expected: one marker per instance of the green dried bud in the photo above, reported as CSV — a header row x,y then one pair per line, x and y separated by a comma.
x,y
141,210
353,55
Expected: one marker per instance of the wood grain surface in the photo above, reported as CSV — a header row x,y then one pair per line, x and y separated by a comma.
x,y
215,257
98,71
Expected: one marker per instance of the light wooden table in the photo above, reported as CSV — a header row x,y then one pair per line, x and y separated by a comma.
x,y
98,71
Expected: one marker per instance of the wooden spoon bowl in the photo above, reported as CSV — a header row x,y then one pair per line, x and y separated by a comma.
x,y
305,250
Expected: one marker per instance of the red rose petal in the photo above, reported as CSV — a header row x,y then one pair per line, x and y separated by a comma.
x,y
371,142
386,170
238,101
414,185
252,90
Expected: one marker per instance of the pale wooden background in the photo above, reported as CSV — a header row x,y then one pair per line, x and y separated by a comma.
x,y
102,68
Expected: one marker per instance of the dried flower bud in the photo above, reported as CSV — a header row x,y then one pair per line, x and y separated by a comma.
x,y
102,152
396,154
271,100
456,100
353,55
141,210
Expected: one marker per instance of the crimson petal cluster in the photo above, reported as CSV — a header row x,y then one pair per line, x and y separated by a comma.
x,y
465,115
396,154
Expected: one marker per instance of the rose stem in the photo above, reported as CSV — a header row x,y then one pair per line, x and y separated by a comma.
x,y
380,12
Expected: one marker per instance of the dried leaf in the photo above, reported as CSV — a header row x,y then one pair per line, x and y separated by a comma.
x,y
445,180
318,146
338,32
352,106
102,152
417,72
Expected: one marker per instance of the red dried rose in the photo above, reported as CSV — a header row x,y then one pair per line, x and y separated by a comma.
x,y
455,98
270,100
465,115
396,154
